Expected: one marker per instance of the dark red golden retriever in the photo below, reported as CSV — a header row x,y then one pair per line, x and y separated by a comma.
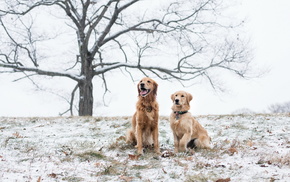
x,y
144,131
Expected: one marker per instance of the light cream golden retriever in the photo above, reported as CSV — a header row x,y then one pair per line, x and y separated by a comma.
x,y
144,131
187,132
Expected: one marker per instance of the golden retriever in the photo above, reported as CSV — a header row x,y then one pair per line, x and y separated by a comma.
x,y
144,131
187,132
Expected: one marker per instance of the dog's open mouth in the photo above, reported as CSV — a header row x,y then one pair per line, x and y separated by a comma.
x,y
144,92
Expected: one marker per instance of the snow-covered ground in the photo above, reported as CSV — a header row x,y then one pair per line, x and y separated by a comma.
x,y
244,148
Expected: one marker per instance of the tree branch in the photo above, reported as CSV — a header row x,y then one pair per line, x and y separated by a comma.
x,y
107,29
30,55
67,8
72,99
99,18
30,8
42,72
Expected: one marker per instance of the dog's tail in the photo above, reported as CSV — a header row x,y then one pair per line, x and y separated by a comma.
x,y
201,142
130,137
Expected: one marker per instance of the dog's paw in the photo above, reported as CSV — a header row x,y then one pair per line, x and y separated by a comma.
x,y
157,151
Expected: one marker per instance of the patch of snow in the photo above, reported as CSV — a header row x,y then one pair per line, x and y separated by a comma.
x,y
93,149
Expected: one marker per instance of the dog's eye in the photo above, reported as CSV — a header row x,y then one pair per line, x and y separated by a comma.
x,y
182,95
148,81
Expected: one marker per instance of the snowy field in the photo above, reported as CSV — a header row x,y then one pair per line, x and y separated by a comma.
x,y
244,148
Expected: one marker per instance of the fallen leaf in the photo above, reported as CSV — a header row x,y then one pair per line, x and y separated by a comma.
x,y
126,178
185,168
189,158
65,153
121,138
134,157
179,163
250,143
167,154
227,141
39,179
2,159
97,164
224,180
272,179
207,165
52,175
17,135
232,151
220,165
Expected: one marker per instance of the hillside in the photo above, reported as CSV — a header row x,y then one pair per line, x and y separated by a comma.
x,y
244,148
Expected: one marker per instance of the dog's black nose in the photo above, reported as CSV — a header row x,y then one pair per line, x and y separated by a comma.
x,y
142,85
176,101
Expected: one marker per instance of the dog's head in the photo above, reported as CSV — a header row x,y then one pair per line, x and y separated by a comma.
x,y
147,86
181,100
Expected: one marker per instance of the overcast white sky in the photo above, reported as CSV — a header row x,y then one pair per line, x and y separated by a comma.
x,y
268,24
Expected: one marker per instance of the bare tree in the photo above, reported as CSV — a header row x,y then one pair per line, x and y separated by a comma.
x,y
280,108
184,39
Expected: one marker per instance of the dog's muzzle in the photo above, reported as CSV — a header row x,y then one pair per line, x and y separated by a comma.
x,y
143,91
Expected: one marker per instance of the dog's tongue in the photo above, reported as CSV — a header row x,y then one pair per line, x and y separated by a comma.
x,y
143,92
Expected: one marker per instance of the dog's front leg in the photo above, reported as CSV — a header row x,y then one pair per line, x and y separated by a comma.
x,y
139,139
156,141
176,143
183,142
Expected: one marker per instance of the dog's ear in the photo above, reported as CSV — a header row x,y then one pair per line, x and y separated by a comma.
x,y
155,85
189,97
172,97
138,89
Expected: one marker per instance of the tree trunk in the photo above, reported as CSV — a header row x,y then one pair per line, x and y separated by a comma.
x,y
86,88
86,98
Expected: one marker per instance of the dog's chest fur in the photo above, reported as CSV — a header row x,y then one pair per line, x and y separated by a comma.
x,y
181,125
150,114
147,113
147,117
